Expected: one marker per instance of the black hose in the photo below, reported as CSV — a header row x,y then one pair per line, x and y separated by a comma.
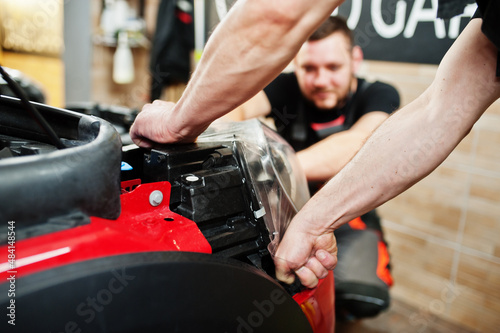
x,y
18,91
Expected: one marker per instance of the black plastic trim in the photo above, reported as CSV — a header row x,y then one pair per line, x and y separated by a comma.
x,y
154,292
84,177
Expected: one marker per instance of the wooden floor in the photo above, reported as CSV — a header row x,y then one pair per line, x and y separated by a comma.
x,y
401,318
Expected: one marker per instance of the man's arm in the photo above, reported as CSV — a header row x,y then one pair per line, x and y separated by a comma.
x,y
324,159
256,107
232,68
403,150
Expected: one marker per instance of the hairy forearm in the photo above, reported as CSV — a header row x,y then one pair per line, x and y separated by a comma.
x,y
247,50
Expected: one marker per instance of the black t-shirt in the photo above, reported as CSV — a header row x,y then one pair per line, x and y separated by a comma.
x,y
488,10
302,124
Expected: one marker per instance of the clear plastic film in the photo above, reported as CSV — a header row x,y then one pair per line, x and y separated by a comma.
x,y
271,166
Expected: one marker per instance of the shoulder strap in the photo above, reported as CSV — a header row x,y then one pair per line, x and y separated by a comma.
x,y
299,128
362,87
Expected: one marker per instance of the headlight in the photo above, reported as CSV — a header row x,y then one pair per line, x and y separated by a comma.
x,y
272,167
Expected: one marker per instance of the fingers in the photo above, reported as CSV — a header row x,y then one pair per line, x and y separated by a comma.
x,y
327,260
313,264
283,271
307,277
142,142
159,123
309,258
316,268
149,125
138,139
309,274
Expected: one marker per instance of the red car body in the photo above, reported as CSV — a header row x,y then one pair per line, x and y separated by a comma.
x,y
148,268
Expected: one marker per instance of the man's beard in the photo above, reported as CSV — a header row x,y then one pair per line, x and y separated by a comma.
x,y
341,102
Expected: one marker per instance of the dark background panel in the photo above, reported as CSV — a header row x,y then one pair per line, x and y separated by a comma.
x,y
402,30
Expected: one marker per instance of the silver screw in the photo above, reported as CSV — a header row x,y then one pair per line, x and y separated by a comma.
x,y
192,178
155,198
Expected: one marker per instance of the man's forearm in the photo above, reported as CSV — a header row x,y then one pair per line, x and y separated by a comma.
x,y
326,158
255,41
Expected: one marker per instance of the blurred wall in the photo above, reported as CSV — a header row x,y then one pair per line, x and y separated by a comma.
x,y
103,89
32,40
78,51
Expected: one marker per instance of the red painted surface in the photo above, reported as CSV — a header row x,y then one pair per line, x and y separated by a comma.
x,y
141,227
318,305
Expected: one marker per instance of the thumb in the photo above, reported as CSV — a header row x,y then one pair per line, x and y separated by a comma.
x,y
284,272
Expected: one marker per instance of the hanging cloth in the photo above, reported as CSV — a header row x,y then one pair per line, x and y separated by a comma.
x,y
173,42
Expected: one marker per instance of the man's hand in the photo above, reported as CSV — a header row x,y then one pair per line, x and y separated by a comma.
x,y
306,255
155,124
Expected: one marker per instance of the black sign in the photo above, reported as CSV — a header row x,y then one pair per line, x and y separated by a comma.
x,y
402,30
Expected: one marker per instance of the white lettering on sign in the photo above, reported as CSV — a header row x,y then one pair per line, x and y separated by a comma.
x,y
353,19
381,14
388,30
454,29
420,14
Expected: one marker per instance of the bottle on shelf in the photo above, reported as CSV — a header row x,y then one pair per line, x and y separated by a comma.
x,y
123,61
